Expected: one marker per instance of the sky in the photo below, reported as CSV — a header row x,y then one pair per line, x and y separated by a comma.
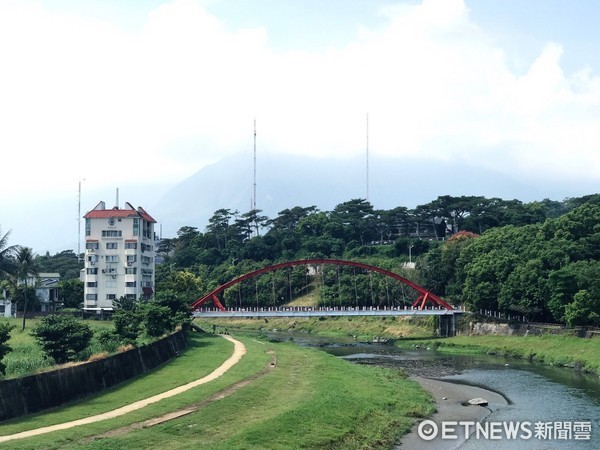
x,y
140,94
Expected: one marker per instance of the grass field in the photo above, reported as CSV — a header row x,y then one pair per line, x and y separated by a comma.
x,y
308,400
363,328
26,357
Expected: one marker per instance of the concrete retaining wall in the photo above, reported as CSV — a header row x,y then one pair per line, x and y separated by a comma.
x,y
34,393
524,329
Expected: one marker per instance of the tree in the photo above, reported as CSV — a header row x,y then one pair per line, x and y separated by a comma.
x,y
158,319
71,292
66,263
62,337
25,268
127,319
583,310
6,255
5,329
355,218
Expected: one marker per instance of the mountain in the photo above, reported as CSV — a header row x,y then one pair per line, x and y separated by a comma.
x,y
285,181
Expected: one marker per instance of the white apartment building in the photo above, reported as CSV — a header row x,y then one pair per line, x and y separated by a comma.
x,y
119,256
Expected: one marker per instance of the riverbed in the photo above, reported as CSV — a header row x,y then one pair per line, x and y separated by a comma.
x,y
549,399
559,407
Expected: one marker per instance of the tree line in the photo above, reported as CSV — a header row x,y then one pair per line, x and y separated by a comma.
x,y
445,238
437,235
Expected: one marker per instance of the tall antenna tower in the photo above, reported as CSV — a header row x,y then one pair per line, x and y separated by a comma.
x,y
79,221
367,157
254,185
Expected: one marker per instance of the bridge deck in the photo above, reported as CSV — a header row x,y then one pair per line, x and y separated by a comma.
x,y
322,312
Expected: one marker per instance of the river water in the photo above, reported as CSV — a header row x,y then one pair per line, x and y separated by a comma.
x,y
535,393
556,397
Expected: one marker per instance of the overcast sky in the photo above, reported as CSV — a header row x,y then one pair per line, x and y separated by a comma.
x,y
141,94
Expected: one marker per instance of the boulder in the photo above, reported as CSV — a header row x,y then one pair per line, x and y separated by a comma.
x,y
478,401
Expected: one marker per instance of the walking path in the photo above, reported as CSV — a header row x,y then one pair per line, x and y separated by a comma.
x,y
239,350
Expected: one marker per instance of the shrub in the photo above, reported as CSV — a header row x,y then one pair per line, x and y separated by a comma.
x,y
62,338
5,329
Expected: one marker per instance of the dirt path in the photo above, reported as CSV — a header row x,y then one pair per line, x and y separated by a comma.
x,y
224,393
239,350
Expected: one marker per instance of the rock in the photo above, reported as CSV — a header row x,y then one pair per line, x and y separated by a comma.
x,y
478,401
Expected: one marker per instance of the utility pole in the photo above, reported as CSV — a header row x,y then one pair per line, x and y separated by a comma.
x,y
254,185
79,220
367,157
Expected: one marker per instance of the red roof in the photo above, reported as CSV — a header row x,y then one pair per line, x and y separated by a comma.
x,y
119,213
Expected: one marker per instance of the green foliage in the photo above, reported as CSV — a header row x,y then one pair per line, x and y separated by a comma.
x,y
128,324
157,320
62,337
5,329
66,263
583,310
71,292
109,340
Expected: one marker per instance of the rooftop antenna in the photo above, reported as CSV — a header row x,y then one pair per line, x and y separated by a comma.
x,y
254,185
367,156
117,200
79,220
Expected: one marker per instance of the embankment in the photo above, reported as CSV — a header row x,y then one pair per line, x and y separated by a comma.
x,y
34,393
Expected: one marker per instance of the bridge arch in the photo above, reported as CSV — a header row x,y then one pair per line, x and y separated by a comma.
x,y
424,295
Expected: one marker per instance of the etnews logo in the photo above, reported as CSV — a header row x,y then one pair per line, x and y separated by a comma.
x,y
574,430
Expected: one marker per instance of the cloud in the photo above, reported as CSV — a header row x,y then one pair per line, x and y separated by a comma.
x,y
83,97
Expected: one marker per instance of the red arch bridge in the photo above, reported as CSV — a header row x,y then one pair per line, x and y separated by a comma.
x,y
426,304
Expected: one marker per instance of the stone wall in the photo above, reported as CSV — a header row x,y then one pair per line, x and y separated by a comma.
x,y
34,393
523,329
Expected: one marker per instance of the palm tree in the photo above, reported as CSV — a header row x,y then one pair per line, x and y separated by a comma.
x,y
25,267
6,255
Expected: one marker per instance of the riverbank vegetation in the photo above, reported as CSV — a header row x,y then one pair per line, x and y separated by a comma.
x,y
359,328
553,350
309,399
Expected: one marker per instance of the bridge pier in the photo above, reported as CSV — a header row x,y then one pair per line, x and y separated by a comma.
x,y
447,325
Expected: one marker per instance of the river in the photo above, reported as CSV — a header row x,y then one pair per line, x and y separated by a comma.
x,y
534,393
564,403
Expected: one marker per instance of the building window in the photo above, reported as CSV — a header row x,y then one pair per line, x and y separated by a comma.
x,y
92,271
136,226
92,284
111,296
131,258
88,227
112,258
92,259
91,245
112,245
110,271
111,233
131,270
131,245
130,284
146,260
130,296
91,297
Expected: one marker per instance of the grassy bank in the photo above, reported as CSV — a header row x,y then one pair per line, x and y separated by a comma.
x,y
363,328
26,357
561,351
556,350
308,400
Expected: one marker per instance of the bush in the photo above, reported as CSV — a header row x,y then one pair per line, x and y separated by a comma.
x,y
5,329
62,338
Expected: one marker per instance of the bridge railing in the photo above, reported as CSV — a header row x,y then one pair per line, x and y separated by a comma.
x,y
323,309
